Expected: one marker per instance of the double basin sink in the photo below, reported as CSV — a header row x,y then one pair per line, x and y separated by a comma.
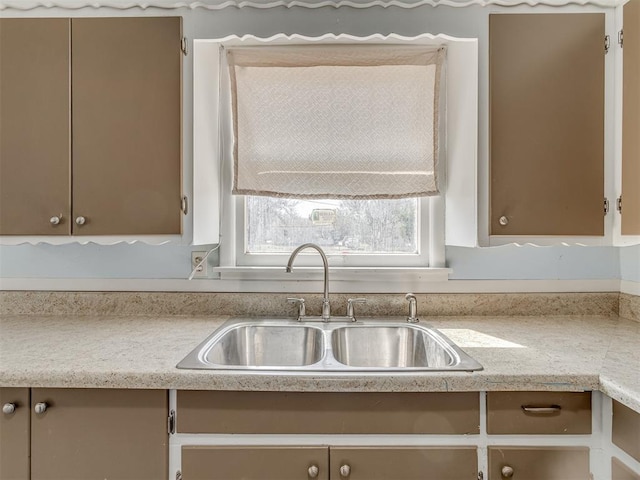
x,y
257,345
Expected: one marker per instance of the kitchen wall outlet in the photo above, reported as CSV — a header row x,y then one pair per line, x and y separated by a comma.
x,y
202,271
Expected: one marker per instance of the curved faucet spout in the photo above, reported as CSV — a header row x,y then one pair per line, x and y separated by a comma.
x,y
326,307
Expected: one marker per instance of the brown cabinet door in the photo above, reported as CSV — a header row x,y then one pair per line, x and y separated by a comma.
x,y
127,125
546,124
14,434
97,434
255,463
539,463
35,162
631,120
619,471
626,429
403,463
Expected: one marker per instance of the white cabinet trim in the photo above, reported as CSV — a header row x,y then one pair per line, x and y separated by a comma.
x,y
220,4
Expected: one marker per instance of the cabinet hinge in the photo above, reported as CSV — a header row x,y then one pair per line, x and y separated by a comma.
x,y
606,206
171,422
184,204
607,43
178,475
619,204
184,46
480,476
621,38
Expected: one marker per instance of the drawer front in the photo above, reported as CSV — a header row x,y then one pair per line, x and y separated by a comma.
x,y
626,429
327,413
539,413
255,463
619,471
404,463
539,463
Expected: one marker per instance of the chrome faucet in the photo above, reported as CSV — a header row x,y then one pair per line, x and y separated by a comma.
x,y
326,308
413,308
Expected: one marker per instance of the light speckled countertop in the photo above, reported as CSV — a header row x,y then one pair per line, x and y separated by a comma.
x,y
518,353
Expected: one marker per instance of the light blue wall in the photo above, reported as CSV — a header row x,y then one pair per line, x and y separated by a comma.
x,y
534,263
157,262
630,263
171,261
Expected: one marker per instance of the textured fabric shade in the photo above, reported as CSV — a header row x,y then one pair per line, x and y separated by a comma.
x,y
336,121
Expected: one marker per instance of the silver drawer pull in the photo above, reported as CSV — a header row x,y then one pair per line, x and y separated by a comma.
x,y
542,410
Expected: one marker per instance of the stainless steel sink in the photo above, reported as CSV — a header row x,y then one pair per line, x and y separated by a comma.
x,y
403,346
370,345
258,345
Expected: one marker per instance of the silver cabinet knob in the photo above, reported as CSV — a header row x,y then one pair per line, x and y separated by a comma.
x,y
40,408
504,221
80,220
55,220
345,470
507,471
8,408
313,471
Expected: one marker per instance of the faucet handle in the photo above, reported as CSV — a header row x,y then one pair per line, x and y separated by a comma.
x,y
350,310
413,308
302,311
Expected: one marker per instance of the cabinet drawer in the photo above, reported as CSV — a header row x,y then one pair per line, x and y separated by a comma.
x,y
254,463
626,429
619,471
539,413
538,463
325,413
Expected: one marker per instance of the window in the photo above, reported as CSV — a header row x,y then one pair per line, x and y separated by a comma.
x,y
338,141
340,227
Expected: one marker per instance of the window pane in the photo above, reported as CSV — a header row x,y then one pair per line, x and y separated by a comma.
x,y
276,225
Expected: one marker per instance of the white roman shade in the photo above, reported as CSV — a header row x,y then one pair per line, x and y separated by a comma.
x,y
336,121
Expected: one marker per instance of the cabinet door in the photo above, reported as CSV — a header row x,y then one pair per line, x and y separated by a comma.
x,y
626,429
539,463
35,157
631,120
403,463
14,434
547,124
619,471
99,434
255,463
127,125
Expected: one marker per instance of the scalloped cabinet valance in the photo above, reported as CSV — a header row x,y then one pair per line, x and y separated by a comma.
x,y
220,4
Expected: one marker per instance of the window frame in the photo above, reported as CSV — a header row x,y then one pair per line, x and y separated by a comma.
x,y
431,212
214,209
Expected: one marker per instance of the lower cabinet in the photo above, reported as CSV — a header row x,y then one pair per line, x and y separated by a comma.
x,y
83,434
254,463
537,463
14,434
329,463
403,463
619,471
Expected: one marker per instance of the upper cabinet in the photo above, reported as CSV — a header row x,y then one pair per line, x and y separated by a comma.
x,y
630,199
547,104
91,115
35,127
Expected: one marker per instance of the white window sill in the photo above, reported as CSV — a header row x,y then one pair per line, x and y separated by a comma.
x,y
341,279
